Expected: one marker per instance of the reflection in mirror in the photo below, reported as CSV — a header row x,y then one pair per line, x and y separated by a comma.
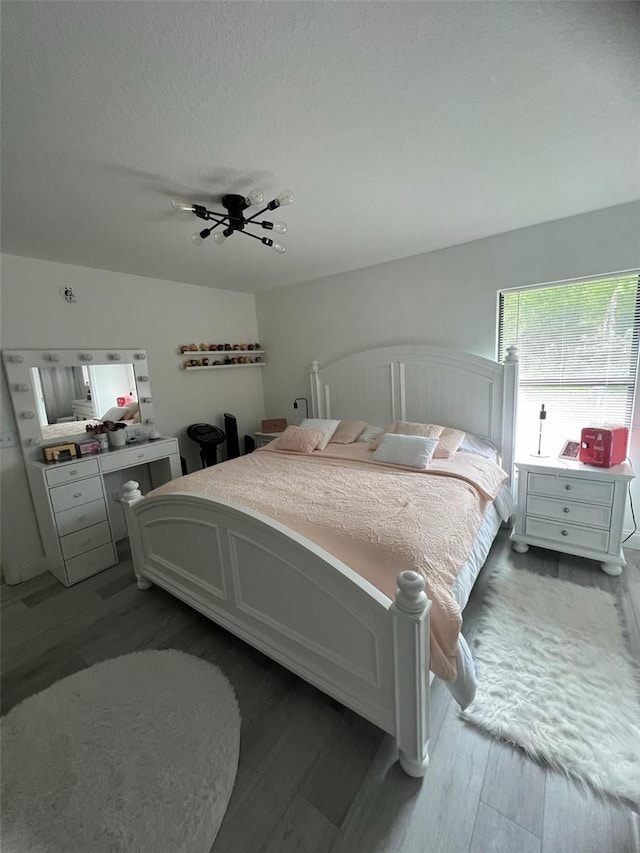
x,y
67,397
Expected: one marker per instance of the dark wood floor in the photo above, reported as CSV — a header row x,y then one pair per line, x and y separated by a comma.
x,y
314,777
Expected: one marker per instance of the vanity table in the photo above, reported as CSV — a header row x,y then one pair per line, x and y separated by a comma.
x,y
76,501
71,500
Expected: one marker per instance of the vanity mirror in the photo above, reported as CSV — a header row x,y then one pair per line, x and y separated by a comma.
x,y
55,392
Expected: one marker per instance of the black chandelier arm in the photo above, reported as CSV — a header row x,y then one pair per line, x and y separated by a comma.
x,y
212,214
247,234
259,213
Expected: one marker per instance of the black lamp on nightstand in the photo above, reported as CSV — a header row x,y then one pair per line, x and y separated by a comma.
x,y
306,405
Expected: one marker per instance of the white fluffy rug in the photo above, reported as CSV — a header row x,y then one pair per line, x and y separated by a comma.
x,y
555,677
136,754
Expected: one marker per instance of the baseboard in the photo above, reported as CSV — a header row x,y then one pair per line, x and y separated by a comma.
x,y
32,571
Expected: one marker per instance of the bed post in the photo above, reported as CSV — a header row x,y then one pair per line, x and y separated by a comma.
x,y
131,495
410,613
510,411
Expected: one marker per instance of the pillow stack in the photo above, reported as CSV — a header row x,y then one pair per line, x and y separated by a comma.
x,y
449,440
325,425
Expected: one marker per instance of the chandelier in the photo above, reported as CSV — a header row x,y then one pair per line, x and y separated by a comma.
x,y
234,220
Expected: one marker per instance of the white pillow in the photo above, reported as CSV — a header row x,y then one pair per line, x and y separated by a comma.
x,y
370,432
114,414
325,425
480,446
413,451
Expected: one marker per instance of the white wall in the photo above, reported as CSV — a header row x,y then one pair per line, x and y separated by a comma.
x,y
117,310
445,298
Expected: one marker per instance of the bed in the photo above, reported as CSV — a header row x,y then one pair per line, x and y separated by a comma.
x,y
309,601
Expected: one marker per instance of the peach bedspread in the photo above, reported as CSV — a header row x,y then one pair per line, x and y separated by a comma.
x,y
378,519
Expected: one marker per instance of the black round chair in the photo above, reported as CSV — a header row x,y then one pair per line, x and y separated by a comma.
x,y
208,437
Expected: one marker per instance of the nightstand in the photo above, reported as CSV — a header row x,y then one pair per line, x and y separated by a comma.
x,y
574,508
263,438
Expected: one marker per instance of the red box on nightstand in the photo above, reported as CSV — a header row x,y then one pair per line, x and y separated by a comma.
x,y
603,446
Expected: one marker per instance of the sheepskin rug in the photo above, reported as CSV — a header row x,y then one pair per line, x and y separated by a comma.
x,y
135,754
556,678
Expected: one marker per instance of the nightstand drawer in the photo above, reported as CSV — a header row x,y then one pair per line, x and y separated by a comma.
x,y
594,515
567,534
578,489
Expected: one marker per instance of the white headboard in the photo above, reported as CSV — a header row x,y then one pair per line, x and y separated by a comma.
x,y
423,384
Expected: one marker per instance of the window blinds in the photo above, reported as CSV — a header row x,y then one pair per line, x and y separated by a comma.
x,y
578,348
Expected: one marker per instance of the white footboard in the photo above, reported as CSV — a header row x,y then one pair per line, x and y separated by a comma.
x,y
296,603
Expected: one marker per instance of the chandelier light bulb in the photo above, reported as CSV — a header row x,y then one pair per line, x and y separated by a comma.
x,y
197,238
285,197
256,197
219,237
181,206
280,248
280,227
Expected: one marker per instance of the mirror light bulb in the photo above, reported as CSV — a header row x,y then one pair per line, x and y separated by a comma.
x,y
285,197
280,248
280,227
256,197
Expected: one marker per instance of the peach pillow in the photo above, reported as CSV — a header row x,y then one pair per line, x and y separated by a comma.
x,y
348,432
298,440
409,428
448,443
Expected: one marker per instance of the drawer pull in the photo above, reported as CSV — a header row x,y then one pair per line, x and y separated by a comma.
x,y
140,455
81,517
565,532
73,473
77,494
568,487
565,509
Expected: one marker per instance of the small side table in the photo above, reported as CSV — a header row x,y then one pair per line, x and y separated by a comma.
x,y
263,438
574,508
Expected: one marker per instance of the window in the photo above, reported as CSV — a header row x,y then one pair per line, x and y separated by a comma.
x,y
578,348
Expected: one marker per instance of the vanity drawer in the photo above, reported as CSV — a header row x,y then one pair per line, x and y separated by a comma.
x,y
85,565
567,534
594,515
85,540
56,476
76,518
593,491
135,456
75,494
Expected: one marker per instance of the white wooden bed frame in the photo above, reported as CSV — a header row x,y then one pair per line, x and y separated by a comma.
x,y
294,601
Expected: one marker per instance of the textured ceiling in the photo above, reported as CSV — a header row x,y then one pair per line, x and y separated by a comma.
x,y
401,127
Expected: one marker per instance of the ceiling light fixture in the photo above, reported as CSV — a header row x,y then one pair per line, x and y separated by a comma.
x,y
234,220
